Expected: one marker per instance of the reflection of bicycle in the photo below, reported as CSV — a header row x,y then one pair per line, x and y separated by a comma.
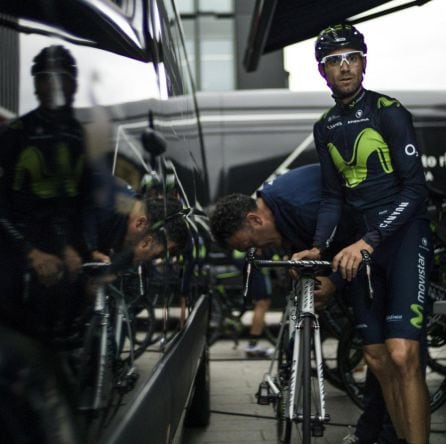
x,y
296,393
103,362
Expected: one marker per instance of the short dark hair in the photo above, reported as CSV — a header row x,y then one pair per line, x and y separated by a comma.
x,y
166,218
229,215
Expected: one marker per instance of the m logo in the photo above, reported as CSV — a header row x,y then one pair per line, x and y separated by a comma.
x,y
417,321
354,171
45,181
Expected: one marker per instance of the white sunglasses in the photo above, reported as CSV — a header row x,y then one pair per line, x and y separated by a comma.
x,y
351,57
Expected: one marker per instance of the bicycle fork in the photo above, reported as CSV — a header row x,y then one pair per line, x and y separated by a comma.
x,y
297,365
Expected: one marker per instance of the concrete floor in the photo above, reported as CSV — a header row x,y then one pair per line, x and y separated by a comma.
x,y
237,418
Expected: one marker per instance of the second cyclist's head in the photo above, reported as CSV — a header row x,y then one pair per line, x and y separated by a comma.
x,y
54,70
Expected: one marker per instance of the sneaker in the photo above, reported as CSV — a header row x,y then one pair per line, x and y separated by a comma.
x,y
258,351
350,438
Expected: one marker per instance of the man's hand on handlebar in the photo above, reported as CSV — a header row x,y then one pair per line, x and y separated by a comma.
x,y
48,267
314,253
349,259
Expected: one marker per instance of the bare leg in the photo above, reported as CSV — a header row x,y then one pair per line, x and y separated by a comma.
x,y
258,320
379,361
405,355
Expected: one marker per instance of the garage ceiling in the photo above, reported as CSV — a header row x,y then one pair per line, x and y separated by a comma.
x,y
279,23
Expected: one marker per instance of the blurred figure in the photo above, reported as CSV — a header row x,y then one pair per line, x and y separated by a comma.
x,y
134,227
43,188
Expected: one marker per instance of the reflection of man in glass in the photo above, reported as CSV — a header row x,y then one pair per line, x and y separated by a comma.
x,y
42,184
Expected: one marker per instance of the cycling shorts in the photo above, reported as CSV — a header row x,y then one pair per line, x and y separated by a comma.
x,y
401,267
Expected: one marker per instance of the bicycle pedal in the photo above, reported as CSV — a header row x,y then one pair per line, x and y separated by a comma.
x,y
317,430
264,395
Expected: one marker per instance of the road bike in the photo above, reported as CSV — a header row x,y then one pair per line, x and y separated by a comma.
x,y
297,394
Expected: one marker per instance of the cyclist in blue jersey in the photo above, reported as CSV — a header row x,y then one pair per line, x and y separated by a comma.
x,y
370,161
283,216
132,226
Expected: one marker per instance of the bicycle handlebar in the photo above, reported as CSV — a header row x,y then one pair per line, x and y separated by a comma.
x,y
303,264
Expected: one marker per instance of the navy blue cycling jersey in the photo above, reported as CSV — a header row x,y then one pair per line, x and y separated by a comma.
x,y
369,160
106,223
294,199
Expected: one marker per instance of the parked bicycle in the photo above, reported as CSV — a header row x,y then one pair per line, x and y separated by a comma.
x,y
297,395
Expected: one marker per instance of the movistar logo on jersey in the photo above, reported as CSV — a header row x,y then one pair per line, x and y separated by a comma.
x,y
48,182
354,171
384,102
417,321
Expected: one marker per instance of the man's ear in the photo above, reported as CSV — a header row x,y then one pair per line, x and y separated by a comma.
x,y
141,223
321,69
146,242
254,219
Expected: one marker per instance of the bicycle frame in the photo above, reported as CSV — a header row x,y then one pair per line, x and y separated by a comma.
x,y
294,380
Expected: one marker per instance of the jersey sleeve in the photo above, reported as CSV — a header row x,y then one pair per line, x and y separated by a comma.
x,y
332,196
8,229
399,134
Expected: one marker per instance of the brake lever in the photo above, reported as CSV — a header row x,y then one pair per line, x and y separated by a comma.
x,y
249,265
367,261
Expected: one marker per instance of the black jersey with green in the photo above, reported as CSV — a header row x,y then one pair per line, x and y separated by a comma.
x,y
370,160
42,181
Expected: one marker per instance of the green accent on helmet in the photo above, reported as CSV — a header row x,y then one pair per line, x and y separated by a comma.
x,y
417,321
338,37
354,171
384,102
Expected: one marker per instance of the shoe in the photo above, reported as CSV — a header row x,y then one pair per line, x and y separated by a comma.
x,y
351,438
257,351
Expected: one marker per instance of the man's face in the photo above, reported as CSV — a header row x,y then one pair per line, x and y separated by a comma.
x,y
243,239
54,90
254,233
345,78
150,248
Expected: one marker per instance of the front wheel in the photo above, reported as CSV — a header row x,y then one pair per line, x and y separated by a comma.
x,y
283,423
305,360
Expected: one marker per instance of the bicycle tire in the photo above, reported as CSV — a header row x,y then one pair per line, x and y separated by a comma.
x,y
284,424
143,329
96,369
216,317
305,360
350,356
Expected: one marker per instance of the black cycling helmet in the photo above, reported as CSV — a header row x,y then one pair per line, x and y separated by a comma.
x,y
54,59
338,37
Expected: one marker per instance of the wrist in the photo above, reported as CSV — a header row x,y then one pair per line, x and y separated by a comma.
x,y
316,250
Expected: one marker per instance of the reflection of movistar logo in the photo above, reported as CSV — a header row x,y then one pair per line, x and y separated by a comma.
x,y
355,170
417,321
47,182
